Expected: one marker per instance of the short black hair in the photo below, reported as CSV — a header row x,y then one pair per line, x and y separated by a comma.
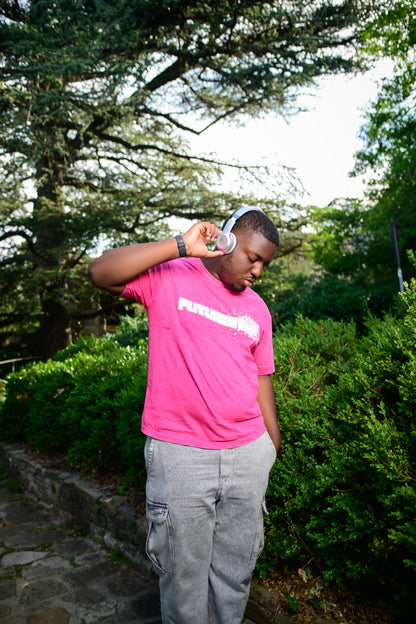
x,y
257,221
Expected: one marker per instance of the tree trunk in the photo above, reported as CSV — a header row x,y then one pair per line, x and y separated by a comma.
x,y
55,328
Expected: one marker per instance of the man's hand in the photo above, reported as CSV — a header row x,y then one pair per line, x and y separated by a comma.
x,y
116,267
197,237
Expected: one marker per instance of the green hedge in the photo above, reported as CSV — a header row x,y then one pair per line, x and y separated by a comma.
x,y
342,496
86,402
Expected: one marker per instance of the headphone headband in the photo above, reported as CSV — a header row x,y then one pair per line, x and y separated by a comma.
x,y
236,215
226,240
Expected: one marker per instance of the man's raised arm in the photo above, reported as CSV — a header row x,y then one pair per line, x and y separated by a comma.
x,y
115,268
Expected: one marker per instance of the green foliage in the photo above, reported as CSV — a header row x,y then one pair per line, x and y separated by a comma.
x,y
354,248
79,529
344,491
330,297
343,494
117,555
131,330
309,358
292,602
87,402
96,102
393,30
352,242
34,399
109,388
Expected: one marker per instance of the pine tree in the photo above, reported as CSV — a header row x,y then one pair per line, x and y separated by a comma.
x,y
96,99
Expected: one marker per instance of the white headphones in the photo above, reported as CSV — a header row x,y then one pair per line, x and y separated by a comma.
x,y
226,240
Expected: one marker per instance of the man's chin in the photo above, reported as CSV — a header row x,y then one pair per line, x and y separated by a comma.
x,y
237,288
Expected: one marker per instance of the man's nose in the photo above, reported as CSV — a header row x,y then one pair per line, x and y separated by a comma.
x,y
257,269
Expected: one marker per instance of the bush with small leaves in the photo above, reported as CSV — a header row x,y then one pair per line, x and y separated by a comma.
x,y
344,493
87,401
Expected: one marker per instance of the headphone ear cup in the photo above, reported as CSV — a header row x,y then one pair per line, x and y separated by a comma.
x,y
226,242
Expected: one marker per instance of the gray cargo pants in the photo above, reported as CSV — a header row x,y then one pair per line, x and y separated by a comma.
x,y
205,513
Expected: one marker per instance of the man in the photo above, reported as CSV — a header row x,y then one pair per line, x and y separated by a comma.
x,y
209,415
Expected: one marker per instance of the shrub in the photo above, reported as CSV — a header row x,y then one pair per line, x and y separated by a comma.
x,y
131,330
344,492
87,401
310,357
32,406
104,412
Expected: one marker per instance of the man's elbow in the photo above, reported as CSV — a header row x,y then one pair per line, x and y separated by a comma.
x,y
94,274
98,275
100,278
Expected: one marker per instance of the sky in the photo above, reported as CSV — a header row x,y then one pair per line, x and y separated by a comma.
x,y
319,143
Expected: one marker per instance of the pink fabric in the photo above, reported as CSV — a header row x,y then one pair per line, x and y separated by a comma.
x,y
207,346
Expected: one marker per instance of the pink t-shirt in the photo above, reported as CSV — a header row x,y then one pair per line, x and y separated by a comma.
x,y
207,346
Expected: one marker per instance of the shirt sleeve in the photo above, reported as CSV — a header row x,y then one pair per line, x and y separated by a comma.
x,y
263,353
145,286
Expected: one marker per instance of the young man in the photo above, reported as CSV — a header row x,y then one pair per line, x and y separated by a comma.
x,y
209,415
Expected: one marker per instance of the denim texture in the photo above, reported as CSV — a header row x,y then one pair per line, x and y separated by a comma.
x,y
205,512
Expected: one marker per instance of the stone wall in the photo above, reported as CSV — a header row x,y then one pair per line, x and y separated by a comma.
x,y
106,518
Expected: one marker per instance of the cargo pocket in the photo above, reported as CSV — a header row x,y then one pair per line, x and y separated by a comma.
x,y
159,542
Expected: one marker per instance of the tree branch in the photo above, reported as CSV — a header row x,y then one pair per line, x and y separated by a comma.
x,y
74,261
171,73
163,150
22,234
80,184
20,259
12,10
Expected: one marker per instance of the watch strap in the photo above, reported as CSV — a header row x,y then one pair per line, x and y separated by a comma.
x,y
181,246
